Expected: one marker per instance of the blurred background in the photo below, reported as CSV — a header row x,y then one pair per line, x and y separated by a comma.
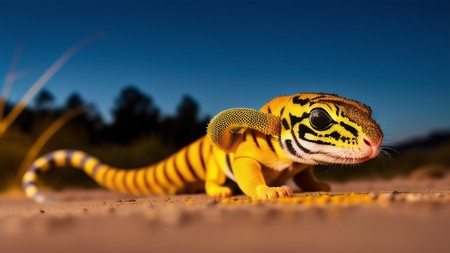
x,y
159,70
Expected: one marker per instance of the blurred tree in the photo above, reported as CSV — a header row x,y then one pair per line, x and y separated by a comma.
x,y
44,100
74,101
187,127
134,116
42,115
89,122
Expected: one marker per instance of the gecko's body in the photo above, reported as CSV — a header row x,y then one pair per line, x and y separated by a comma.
x,y
259,150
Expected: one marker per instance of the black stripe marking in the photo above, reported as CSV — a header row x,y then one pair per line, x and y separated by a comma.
x,y
50,158
84,160
164,168
68,160
103,179
269,110
350,129
269,142
281,112
335,135
290,147
294,119
157,183
329,106
298,100
228,160
337,110
113,178
135,182
96,168
189,165
200,154
244,136
51,163
147,182
307,151
180,176
124,182
36,170
255,139
303,130
285,124
321,142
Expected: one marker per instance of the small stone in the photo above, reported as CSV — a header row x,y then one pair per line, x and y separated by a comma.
x,y
213,203
125,200
386,197
412,197
373,195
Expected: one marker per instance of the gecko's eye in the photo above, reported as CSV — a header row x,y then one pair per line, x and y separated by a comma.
x,y
320,119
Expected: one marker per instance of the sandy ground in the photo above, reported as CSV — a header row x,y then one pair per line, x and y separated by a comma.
x,y
402,215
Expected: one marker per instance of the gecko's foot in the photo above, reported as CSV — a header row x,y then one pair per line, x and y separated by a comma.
x,y
218,191
265,192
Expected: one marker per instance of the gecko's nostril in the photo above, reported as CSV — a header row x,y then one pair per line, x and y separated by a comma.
x,y
367,142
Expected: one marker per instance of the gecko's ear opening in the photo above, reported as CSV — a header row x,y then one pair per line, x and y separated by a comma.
x,y
223,128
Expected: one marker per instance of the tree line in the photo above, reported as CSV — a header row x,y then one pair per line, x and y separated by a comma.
x,y
134,116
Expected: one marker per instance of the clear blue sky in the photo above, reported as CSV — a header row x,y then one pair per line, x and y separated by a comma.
x,y
392,55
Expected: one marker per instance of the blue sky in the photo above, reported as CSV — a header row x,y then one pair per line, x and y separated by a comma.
x,y
391,55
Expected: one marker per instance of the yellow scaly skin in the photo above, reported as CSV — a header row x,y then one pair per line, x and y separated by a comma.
x,y
259,150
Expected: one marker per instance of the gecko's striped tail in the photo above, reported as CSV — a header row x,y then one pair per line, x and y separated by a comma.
x,y
161,178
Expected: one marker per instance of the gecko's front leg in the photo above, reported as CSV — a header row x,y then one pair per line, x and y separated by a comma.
x,y
250,179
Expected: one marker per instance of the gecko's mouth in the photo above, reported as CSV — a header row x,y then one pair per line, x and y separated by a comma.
x,y
324,154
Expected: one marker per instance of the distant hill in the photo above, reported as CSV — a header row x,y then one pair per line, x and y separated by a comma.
x,y
432,141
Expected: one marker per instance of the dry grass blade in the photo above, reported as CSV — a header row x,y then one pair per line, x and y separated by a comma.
x,y
44,138
51,71
11,76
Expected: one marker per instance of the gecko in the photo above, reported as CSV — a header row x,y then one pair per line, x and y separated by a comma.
x,y
259,150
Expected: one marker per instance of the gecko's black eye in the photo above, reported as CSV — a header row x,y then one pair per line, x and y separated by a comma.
x,y
320,119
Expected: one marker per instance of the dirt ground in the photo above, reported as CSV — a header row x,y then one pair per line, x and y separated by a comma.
x,y
401,215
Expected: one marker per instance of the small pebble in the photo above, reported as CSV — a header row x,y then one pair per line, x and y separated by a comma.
x,y
125,200
412,197
213,203
386,197
373,195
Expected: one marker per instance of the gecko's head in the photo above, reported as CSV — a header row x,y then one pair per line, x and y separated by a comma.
x,y
322,129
